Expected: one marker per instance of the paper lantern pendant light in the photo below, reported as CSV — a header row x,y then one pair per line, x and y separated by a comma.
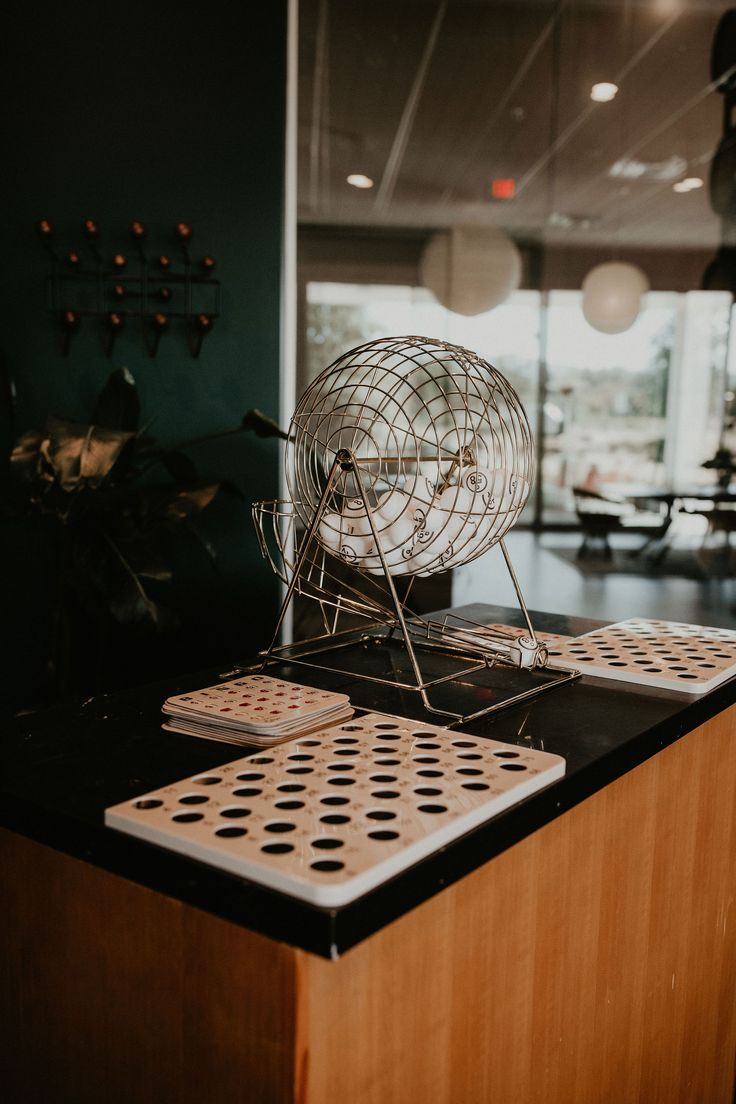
x,y
471,269
612,296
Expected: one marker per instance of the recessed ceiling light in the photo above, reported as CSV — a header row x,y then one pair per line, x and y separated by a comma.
x,y
689,184
359,180
603,92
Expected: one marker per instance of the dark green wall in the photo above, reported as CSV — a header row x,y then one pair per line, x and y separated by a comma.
x,y
160,112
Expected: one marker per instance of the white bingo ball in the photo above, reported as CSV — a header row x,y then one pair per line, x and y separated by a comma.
x,y
391,506
479,481
420,487
353,508
509,490
331,532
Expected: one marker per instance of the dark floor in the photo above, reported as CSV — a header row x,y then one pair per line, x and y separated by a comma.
x,y
691,584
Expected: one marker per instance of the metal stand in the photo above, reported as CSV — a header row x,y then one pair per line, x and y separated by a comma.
x,y
471,647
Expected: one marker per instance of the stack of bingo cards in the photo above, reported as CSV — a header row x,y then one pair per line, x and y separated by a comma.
x,y
255,710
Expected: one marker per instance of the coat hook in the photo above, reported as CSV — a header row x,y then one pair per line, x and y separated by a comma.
x,y
114,324
160,323
45,231
183,232
202,325
70,323
138,234
92,232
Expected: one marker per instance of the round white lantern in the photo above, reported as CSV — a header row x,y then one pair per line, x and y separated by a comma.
x,y
612,296
471,269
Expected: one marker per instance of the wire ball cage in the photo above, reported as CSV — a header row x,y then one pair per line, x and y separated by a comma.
x,y
440,450
407,456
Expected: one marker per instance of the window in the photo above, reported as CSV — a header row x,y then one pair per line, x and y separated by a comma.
x,y
644,406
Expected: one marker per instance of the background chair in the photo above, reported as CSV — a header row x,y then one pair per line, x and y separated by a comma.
x,y
600,514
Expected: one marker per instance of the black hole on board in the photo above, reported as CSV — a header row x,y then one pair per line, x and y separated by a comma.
x,y
380,814
506,754
430,773
340,781
426,759
470,755
351,728
419,735
432,808
291,787
247,791
513,766
188,818
428,746
334,800
463,743
309,743
427,791
384,725
235,812
260,760
347,751
469,770
387,762
327,843
280,826
617,663
193,799
299,770
207,780
299,757
653,670
277,848
384,750
383,834
334,818
231,832
346,740
475,786
341,766
383,778
687,676
387,795
147,803
327,866
249,776
389,735
290,803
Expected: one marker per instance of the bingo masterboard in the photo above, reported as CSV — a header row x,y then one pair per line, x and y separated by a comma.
x,y
330,816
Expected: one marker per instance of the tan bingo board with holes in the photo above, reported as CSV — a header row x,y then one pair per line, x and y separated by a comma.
x,y
669,654
328,817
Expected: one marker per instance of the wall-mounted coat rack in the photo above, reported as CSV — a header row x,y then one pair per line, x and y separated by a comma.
x,y
110,288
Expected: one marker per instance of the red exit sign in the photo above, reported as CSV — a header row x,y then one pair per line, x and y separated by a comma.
x,y
503,187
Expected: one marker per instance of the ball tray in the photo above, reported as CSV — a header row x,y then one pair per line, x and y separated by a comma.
x,y
332,815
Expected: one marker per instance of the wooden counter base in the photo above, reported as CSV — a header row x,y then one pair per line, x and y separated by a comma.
x,y
592,963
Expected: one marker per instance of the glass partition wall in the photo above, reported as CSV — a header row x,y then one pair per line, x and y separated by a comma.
x,y
642,407
584,132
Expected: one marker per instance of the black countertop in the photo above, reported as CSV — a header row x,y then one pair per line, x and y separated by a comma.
x,y
61,768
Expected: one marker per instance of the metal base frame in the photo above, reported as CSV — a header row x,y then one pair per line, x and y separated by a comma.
x,y
483,651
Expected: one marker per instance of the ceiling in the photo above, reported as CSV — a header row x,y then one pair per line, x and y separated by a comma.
x,y
433,100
